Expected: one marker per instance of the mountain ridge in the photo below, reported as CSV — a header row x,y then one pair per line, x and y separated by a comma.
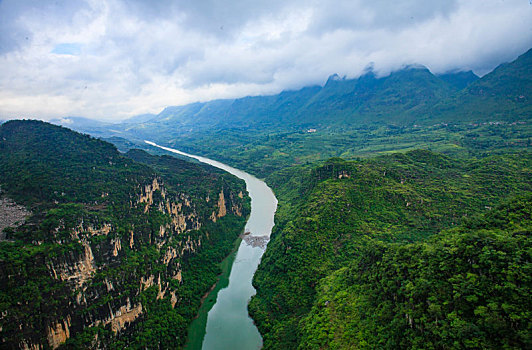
x,y
118,249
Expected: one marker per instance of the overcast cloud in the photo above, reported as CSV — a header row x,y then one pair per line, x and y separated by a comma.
x,y
114,59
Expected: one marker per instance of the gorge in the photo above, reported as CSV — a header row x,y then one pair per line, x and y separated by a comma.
x,y
118,248
228,325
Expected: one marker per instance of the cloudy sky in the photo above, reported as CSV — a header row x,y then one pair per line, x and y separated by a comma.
x,y
113,59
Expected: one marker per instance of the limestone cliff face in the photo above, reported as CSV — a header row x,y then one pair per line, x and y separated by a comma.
x,y
222,210
58,333
75,270
108,244
91,273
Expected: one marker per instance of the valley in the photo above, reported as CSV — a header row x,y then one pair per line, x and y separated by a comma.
x,y
403,219
228,325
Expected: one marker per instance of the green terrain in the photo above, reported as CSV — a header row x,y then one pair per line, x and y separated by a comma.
x,y
118,249
467,287
403,218
342,214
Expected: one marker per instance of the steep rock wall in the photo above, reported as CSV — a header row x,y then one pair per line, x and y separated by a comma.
x,y
91,273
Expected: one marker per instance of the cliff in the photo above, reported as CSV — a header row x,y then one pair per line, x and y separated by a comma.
x,y
117,252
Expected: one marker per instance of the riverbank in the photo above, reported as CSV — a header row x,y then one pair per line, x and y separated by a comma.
x,y
196,330
228,324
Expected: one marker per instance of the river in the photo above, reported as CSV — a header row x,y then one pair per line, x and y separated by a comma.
x,y
228,324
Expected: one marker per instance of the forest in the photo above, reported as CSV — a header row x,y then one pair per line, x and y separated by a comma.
x,y
118,249
415,250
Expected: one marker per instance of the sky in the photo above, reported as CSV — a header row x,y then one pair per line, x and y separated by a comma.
x,y
114,59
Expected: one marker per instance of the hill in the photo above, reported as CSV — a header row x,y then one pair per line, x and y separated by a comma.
x,y
118,250
468,287
332,216
504,95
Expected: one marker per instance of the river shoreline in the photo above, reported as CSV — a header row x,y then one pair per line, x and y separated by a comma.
x,y
227,322
197,328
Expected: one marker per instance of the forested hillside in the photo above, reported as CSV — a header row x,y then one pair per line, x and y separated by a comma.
x,y
457,114
466,288
334,219
118,250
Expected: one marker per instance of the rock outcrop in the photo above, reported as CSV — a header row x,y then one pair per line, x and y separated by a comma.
x,y
110,242
11,214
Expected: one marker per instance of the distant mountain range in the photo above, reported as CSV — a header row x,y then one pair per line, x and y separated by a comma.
x,y
412,95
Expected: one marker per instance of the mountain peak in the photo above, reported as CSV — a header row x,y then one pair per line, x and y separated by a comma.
x,y
334,78
414,66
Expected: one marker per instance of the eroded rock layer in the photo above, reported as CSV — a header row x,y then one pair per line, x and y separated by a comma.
x,y
114,245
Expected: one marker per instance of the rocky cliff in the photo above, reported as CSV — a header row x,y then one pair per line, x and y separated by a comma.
x,y
118,250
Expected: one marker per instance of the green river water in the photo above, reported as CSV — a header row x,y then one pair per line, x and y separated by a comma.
x,y
223,321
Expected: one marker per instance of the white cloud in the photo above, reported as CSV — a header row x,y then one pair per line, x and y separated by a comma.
x,y
65,121
132,57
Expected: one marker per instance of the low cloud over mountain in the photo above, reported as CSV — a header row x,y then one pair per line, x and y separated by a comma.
x,y
114,59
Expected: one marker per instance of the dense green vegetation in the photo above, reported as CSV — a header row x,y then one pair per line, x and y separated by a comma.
x,y
93,249
332,215
469,287
264,152
386,249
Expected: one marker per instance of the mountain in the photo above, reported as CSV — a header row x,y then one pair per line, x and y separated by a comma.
x,y
502,95
366,254
370,115
455,113
405,96
116,251
340,101
459,79
370,99
141,118
511,80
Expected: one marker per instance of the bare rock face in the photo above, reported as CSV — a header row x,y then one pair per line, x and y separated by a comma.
x,y
124,316
11,214
222,210
58,333
79,269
